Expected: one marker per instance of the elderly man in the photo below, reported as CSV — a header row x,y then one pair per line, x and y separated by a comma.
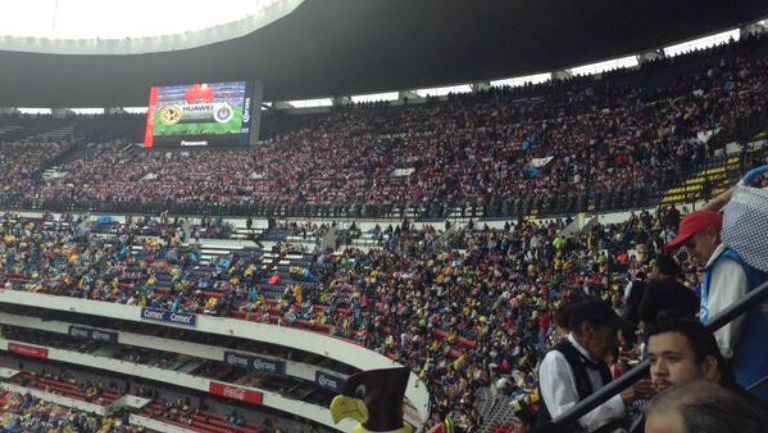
x,y
576,368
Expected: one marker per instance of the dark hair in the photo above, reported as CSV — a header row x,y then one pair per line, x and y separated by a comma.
x,y
667,265
667,294
594,311
563,317
702,341
706,407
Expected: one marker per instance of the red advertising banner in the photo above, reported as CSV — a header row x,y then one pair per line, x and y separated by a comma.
x,y
251,397
149,134
28,351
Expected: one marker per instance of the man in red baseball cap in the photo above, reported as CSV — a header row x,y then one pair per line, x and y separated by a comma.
x,y
700,233
727,278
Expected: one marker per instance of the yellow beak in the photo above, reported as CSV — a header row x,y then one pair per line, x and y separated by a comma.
x,y
343,407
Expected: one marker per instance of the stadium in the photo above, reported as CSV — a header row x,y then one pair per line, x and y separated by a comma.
x,y
307,216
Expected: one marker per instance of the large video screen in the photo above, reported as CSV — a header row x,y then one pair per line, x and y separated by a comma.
x,y
199,114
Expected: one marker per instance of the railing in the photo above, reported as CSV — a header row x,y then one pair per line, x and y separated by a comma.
x,y
565,422
556,205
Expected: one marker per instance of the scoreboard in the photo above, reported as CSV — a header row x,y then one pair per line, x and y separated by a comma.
x,y
203,114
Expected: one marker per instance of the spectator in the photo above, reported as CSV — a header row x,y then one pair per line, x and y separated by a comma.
x,y
665,292
681,350
525,418
576,368
562,319
633,295
704,407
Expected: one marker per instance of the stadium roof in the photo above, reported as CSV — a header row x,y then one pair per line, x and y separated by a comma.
x,y
342,47
73,19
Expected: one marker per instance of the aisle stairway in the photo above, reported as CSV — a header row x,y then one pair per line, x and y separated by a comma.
x,y
717,179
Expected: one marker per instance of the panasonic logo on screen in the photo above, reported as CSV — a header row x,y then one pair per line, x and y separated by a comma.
x,y
194,143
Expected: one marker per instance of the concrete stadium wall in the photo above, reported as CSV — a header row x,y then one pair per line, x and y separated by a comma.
x,y
312,342
270,399
295,369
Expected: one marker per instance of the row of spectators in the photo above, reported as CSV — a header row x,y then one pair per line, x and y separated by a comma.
x,y
488,149
25,413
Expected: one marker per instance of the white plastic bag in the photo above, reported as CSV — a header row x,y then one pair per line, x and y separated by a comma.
x,y
745,223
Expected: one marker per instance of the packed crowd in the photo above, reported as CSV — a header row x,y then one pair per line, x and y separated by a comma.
x,y
469,294
25,413
19,164
487,149
463,307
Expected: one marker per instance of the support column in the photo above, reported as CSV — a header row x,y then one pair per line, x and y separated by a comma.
x,y
341,100
562,74
407,95
649,56
61,113
480,86
752,29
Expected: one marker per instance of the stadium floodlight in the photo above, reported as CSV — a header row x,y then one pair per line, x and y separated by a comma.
x,y
136,110
522,81
375,97
87,111
76,26
34,111
75,19
702,43
442,91
311,103
605,65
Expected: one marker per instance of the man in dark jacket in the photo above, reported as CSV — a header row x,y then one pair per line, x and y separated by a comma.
x,y
665,292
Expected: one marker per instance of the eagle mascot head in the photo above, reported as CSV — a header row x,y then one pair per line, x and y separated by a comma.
x,y
374,399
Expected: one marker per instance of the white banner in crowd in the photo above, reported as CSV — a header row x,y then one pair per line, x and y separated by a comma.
x,y
403,172
541,162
